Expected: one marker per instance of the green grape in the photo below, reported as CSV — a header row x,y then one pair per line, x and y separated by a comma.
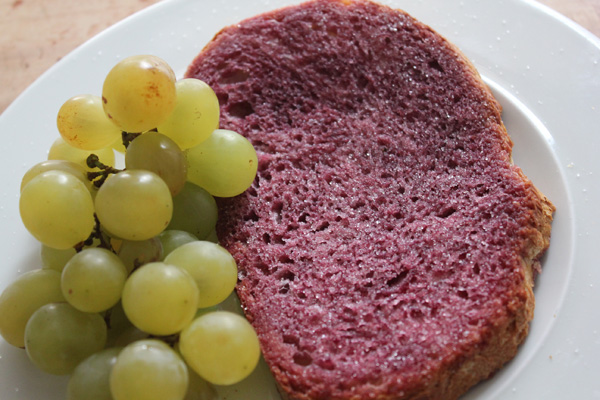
x,y
155,152
90,380
231,303
77,170
117,323
134,205
61,150
139,93
195,116
225,164
202,311
22,298
160,299
130,335
58,337
148,370
199,389
82,123
212,237
56,259
194,211
172,239
93,279
211,266
121,331
135,253
57,209
221,347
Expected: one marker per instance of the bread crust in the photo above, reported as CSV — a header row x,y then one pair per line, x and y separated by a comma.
x,y
483,353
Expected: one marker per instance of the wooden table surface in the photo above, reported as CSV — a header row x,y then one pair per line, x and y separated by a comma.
x,y
35,34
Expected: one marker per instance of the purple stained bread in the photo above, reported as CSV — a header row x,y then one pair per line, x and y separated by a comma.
x,y
388,246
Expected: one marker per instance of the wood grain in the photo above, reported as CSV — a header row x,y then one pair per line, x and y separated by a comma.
x,y
35,34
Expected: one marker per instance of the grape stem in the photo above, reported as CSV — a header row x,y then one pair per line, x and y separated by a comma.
x,y
128,137
96,234
105,170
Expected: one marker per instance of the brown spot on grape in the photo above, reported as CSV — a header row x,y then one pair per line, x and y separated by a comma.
x,y
152,91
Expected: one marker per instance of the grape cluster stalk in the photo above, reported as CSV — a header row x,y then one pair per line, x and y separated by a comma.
x,y
129,298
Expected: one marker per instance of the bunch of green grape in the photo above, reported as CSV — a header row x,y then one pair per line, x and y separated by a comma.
x,y
128,299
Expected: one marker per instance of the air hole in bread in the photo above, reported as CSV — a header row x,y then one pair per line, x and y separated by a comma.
x,y
435,65
291,339
412,116
241,109
303,217
284,258
266,238
292,227
234,76
415,313
445,213
264,268
326,364
277,206
303,359
252,216
288,275
362,82
397,279
223,98
358,204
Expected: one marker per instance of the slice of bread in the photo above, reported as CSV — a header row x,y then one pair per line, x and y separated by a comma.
x,y
388,246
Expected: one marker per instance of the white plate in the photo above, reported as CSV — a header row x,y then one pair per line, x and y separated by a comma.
x,y
543,68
